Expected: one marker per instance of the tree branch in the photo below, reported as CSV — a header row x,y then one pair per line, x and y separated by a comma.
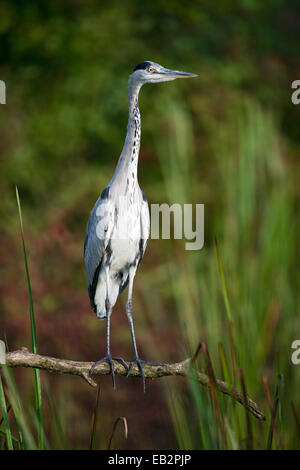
x,y
23,358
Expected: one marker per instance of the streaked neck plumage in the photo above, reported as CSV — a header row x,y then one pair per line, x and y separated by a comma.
x,y
128,161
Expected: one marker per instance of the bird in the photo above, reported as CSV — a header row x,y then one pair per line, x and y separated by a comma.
x,y
119,223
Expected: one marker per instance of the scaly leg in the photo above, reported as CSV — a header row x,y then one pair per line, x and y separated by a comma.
x,y
136,360
109,358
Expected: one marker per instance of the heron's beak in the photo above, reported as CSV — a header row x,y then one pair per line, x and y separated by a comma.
x,y
177,73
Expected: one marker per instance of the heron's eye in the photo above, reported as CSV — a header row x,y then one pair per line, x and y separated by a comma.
x,y
150,69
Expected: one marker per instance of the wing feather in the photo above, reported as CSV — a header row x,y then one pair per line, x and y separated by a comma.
x,y
98,234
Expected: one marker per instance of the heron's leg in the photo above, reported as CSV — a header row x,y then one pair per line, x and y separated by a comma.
x,y
109,358
136,360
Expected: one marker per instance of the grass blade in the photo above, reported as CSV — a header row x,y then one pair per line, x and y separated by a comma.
x,y
37,379
56,420
273,419
224,364
5,417
249,430
213,392
94,421
223,283
124,420
26,438
3,433
297,421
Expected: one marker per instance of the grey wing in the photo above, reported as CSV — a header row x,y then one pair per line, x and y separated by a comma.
x,y
145,225
98,234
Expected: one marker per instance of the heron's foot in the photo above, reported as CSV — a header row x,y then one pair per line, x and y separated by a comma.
x,y
109,359
139,362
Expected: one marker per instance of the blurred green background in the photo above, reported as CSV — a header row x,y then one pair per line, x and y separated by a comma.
x,y
229,139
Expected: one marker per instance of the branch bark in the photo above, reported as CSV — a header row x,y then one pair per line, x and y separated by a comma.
x,y
23,358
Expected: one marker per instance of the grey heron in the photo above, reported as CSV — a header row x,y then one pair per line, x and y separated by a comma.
x,y
119,224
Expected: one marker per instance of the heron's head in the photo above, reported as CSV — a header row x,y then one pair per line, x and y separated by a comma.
x,y
150,72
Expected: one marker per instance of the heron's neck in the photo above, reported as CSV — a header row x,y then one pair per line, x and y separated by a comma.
x,y
128,161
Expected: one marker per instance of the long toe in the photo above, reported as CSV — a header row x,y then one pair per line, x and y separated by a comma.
x,y
121,361
112,371
139,364
95,365
107,359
